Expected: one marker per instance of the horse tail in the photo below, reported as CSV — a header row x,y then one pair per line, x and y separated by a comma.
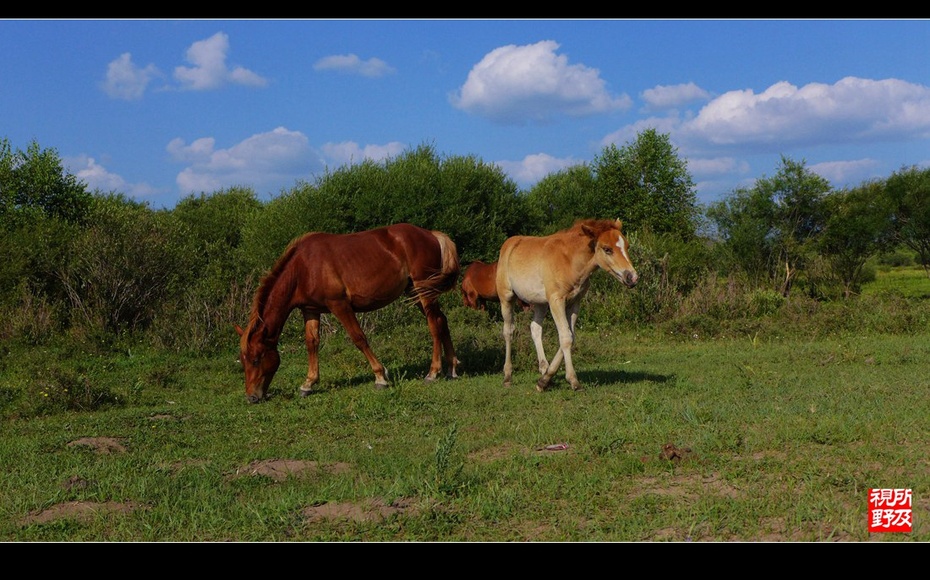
x,y
448,274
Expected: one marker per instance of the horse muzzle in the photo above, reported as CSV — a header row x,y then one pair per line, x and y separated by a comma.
x,y
628,278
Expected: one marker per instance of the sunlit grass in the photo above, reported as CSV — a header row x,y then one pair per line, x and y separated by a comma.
x,y
910,282
785,437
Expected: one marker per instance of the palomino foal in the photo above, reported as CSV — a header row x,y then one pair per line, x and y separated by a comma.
x,y
552,273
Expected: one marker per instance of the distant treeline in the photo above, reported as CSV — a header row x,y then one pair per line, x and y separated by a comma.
x,y
103,267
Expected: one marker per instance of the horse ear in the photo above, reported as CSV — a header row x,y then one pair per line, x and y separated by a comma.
x,y
239,330
588,231
618,224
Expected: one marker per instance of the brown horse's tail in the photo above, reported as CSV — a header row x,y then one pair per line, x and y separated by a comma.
x,y
448,275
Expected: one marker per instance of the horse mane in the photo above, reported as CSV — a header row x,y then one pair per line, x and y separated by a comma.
x,y
597,225
586,227
268,280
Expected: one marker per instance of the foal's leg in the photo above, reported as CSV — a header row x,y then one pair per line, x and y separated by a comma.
x,y
347,317
507,314
312,338
559,315
570,376
536,331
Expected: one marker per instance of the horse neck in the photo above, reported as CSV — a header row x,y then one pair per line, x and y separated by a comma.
x,y
276,304
583,262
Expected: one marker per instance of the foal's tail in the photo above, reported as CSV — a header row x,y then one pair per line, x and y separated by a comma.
x,y
448,275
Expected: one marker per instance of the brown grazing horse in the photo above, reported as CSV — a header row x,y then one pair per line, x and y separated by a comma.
x,y
343,274
552,273
479,285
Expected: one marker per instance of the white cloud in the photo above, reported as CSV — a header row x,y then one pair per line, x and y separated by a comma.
x,y
516,84
716,166
125,80
349,152
197,152
842,173
627,134
664,97
210,70
534,167
97,177
783,116
265,162
352,64
784,119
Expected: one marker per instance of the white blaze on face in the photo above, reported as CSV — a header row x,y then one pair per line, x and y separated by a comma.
x,y
630,278
621,245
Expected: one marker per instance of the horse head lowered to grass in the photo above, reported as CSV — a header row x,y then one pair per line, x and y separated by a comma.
x,y
479,286
552,273
344,274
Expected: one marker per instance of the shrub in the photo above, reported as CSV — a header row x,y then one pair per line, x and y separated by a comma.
x,y
122,267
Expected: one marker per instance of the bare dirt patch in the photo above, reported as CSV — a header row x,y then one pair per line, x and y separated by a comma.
x,y
373,510
80,510
281,469
102,445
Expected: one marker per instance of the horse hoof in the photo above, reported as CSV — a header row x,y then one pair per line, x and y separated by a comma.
x,y
305,393
380,386
541,385
577,388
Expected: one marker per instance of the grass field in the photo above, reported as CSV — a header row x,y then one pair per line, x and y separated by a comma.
x,y
911,282
749,438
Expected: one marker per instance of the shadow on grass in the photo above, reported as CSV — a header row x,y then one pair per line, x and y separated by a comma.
x,y
489,362
474,362
601,376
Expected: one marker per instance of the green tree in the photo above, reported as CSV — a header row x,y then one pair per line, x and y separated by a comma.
x,y
560,198
798,195
857,226
473,202
744,223
214,225
908,191
42,208
775,223
34,182
647,185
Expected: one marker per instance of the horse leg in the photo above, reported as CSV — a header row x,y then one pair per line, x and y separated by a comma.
x,y
536,331
347,317
507,314
312,338
569,367
566,340
442,340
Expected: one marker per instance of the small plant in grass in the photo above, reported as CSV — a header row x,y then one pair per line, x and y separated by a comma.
x,y
448,472
66,390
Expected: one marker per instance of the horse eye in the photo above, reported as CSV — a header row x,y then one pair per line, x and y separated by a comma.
x,y
608,250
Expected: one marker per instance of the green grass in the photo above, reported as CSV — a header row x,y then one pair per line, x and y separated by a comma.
x,y
910,282
786,436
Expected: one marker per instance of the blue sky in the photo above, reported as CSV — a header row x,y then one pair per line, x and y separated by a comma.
x,y
160,109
